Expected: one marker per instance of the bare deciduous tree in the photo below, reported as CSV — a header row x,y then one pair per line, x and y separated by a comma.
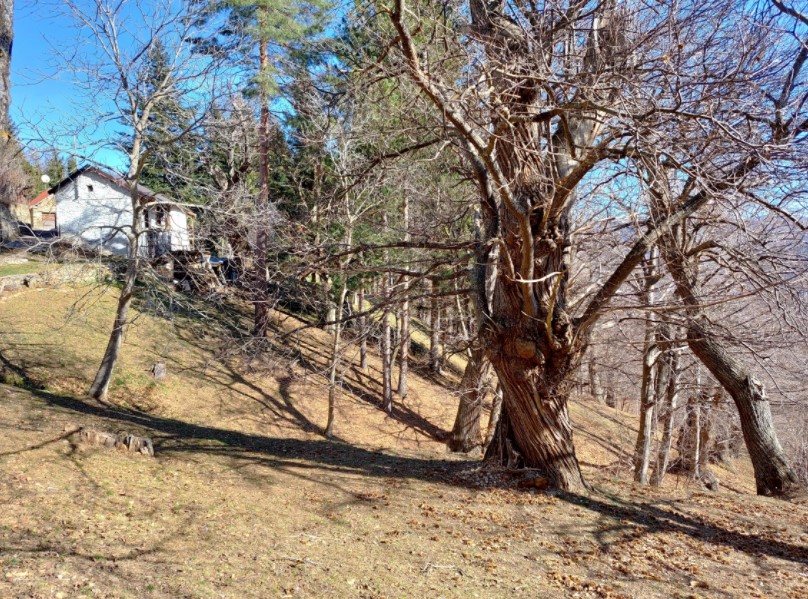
x,y
558,94
111,62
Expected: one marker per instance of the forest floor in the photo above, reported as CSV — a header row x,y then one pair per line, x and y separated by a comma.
x,y
245,498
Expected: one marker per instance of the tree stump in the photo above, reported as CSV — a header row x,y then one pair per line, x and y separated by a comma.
x,y
158,371
122,441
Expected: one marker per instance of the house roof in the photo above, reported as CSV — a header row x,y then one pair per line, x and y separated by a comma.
x,y
42,196
115,180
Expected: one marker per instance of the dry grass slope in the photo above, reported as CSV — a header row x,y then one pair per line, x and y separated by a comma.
x,y
246,499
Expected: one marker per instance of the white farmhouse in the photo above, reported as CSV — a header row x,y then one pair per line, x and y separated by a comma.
x,y
94,208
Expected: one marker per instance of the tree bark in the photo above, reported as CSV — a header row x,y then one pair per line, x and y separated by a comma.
x,y
261,279
334,366
493,418
100,386
6,44
642,449
466,434
650,381
404,313
8,222
774,476
387,351
329,310
434,329
538,427
404,349
527,173
667,410
363,330
595,383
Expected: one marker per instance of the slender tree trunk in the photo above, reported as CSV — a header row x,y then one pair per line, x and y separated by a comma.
x,y
434,328
363,330
447,333
649,383
331,309
6,43
461,317
773,474
706,440
642,449
695,432
466,434
667,410
404,349
387,351
262,234
100,385
334,366
404,313
595,384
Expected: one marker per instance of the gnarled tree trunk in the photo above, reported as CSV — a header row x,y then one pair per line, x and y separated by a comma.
x,y
539,428
527,172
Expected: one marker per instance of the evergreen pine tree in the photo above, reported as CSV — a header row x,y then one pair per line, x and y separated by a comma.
x,y
169,140
54,168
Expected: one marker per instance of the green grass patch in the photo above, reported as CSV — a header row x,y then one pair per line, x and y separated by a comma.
x,y
26,268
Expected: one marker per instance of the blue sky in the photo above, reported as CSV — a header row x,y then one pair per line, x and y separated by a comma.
x,y
49,106
45,105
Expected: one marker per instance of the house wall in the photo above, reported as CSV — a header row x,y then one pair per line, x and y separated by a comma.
x,y
20,212
46,205
93,215
179,230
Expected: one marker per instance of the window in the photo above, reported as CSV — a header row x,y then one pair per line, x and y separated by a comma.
x,y
89,188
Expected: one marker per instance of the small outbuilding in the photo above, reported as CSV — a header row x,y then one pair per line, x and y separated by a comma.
x,y
94,208
42,212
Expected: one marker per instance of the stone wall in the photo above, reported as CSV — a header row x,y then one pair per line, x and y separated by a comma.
x,y
56,275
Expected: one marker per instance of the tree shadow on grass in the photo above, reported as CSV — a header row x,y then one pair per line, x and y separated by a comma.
x,y
663,517
175,437
314,360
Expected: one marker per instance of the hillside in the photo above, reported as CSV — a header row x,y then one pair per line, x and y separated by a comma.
x,y
244,497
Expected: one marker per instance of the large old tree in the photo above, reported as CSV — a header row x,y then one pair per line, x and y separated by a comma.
x,y
558,106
